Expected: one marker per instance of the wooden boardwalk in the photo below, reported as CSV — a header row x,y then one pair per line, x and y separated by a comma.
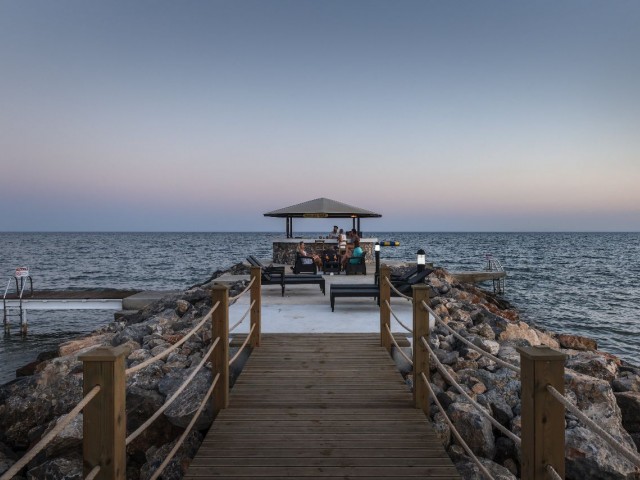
x,y
321,405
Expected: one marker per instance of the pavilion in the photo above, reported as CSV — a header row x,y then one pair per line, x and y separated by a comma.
x,y
322,208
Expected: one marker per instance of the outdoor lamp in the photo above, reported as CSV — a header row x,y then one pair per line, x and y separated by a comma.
x,y
421,260
376,247
376,251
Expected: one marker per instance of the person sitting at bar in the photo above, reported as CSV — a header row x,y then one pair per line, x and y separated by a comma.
x,y
303,253
334,232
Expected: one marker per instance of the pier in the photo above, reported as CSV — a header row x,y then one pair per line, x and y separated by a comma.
x,y
328,401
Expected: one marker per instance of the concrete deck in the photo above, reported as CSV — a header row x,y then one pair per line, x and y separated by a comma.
x,y
304,309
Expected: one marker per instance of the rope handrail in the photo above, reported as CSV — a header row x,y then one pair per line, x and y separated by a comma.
x,y
166,352
552,473
175,395
44,441
410,330
93,473
180,441
400,294
468,343
633,457
398,346
513,437
231,299
244,344
235,325
455,432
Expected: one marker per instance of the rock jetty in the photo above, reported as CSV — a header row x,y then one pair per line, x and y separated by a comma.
x,y
606,388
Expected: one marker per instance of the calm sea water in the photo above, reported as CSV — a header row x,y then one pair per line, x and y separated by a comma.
x,y
583,283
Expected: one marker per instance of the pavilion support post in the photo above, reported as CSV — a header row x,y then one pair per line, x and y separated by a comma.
x,y
385,313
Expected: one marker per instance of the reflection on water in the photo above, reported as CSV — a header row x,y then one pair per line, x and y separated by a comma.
x,y
583,283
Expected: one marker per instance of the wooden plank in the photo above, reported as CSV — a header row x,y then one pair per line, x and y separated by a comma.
x,y
321,406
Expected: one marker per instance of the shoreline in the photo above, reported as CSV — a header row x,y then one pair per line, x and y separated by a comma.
x,y
491,323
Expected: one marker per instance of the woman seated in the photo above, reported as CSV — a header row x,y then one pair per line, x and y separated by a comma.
x,y
303,253
352,254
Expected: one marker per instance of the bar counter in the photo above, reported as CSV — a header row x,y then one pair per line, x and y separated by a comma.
x,y
284,249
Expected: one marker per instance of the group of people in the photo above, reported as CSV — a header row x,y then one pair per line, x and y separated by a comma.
x,y
348,247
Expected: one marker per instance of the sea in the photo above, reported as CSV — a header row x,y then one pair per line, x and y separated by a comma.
x,y
580,283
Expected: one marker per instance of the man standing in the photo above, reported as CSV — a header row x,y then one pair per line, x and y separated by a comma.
x,y
334,232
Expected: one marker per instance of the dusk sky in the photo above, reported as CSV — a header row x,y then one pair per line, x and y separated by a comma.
x,y
203,115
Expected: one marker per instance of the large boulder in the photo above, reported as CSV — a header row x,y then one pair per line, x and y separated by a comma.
x,y
470,471
60,468
629,404
576,342
474,428
184,407
593,364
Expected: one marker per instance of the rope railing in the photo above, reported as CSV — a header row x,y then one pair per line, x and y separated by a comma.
x,y
398,292
235,325
499,361
552,473
44,441
173,347
173,397
393,340
455,432
393,314
244,344
479,407
248,287
186,432
93,473
633,457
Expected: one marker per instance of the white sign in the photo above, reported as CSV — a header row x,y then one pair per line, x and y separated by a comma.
x,y
22,272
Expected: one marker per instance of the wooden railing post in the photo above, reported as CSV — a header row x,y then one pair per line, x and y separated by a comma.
x,y
256,296
104,418
420,353
542,415
385,314
220,355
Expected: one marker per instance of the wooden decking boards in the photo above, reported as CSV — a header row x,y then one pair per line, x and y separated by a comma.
x,y
321,405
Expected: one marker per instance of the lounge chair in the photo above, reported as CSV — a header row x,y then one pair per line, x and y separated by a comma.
x,y
357,266
271,275
330,262
360,290
304,265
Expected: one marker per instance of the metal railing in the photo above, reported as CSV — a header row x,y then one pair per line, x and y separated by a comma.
x,y
541,372
104,384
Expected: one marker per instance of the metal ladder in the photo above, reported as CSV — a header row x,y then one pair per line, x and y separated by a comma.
x,y
494,265
20,278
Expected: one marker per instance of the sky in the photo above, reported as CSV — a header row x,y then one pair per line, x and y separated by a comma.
x,y
203,115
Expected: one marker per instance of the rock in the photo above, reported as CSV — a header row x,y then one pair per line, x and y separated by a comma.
x,y
132,332
473,427
177,467
547,339
470,471
7,458
442,429
593,364
68,439
500,409
67,468
183,408
596,400
626,382
73,346
182,306
486,331
588,456
629,403
519,331
576,342
485,344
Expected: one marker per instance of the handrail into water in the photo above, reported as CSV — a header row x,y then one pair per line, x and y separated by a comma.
x,y
44,441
